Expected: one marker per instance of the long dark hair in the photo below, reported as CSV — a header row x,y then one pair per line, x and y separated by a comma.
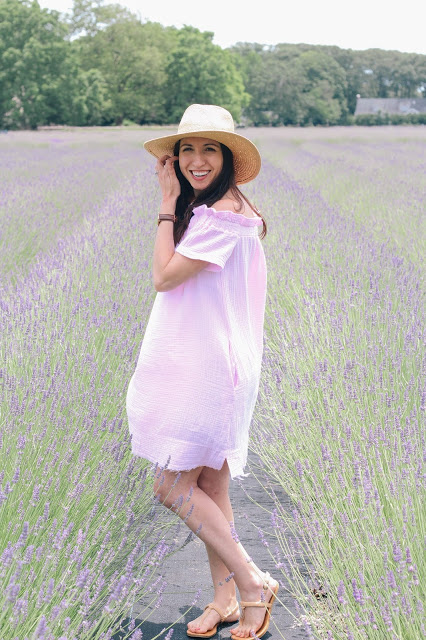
x,y
224,182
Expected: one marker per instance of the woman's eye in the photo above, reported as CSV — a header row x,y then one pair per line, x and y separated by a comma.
x,y
211,149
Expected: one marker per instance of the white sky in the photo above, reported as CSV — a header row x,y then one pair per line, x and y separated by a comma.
x,y
359,24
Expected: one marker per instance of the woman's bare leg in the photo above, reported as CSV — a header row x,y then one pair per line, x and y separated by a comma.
x,y
216,485
216,533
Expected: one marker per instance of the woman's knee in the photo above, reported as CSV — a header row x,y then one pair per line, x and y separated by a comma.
x,y
171,490
214,483
163,489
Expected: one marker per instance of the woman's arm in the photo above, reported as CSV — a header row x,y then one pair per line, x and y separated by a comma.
x,y
169,268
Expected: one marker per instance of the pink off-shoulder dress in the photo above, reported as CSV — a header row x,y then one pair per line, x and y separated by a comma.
x,y
191,398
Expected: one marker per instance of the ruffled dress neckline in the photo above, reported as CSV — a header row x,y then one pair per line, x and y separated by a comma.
x,y
230,216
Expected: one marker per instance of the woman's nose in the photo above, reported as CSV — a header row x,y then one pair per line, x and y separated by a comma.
x,y
198,159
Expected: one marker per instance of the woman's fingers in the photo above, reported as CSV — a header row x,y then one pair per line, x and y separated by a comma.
x,y
163,160
169,163
164,164
167,176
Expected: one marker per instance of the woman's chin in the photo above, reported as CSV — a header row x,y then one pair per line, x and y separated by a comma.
x,y
198,190
199,186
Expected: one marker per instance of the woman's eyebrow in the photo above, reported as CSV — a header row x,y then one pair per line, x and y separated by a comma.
x,y
206,144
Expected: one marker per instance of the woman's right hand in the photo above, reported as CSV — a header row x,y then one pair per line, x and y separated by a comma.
x,y
167,178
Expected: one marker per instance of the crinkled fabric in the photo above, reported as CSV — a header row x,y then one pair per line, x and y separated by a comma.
x,y
191,398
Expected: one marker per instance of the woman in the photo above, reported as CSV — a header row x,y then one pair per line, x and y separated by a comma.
x,y
191,398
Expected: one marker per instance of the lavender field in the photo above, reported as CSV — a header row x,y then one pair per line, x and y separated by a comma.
x,y
339,422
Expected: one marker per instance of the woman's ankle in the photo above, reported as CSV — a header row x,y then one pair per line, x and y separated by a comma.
x,y
253,584
225,600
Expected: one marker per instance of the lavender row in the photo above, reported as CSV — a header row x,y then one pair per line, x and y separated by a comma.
x,y
340,422
375,176
80,539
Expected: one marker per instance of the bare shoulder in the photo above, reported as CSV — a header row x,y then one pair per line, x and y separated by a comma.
x,y
227,204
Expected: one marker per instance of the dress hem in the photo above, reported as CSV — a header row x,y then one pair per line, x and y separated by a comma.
x,y
173,468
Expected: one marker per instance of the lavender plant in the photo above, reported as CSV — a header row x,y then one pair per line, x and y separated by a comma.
x,y
340,421
375,176
80,538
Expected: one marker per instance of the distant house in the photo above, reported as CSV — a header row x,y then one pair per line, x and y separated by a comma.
x,y
402,106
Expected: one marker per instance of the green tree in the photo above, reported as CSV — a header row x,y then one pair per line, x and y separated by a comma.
x,y
201,72
272,84
131,58
346,58
32,59
90,16
86,100
323,88
388,74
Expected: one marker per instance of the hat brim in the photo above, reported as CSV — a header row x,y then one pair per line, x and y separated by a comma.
x,y
247,161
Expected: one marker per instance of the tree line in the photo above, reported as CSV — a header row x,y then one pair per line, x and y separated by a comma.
x,y
100,65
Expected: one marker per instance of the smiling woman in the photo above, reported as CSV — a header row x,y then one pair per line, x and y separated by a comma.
x,y
191,399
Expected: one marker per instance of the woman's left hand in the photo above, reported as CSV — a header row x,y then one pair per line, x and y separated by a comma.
x,y
167,178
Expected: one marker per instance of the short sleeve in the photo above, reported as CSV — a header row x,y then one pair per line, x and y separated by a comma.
x,y
207,238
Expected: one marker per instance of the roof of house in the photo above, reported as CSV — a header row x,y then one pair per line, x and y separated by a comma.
x,y
402,106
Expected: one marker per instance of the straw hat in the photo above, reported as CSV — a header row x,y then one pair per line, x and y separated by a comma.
x,y
216,123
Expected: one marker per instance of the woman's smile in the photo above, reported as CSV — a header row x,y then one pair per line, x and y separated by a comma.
x,y
199,175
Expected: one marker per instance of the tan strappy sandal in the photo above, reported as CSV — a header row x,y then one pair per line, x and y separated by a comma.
x,y
266,605
213,631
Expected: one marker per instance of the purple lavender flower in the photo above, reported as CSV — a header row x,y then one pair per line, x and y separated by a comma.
x,y
391,580
82,578
397,553
357,593
341,592
41,628
262,538
234,532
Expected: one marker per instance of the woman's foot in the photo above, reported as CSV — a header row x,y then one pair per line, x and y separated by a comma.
x,y
210,617
252,618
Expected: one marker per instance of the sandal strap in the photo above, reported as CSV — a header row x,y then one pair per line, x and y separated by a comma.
x,y
218,611
234,610
265,605
215,608
266,581
259,603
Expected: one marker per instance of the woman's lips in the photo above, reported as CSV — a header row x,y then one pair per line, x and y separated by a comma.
x,y
199,175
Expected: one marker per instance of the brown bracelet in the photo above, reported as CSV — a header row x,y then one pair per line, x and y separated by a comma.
x,y
166,216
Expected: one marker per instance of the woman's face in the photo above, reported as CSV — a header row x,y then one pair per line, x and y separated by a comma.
x,y
201,161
